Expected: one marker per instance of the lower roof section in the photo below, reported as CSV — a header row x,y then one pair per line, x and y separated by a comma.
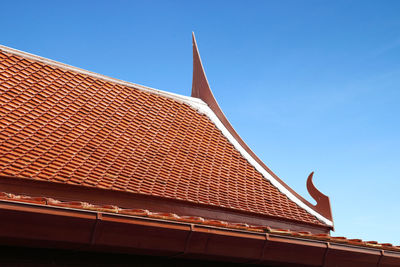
x,y
129,200
44,222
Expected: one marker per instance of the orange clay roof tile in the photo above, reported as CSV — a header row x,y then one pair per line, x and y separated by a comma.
x,y
67,127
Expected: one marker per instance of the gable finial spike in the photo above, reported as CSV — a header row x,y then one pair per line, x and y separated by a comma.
x,y
200,87
323,205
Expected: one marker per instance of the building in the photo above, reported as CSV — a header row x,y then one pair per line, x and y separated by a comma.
x,y
98,171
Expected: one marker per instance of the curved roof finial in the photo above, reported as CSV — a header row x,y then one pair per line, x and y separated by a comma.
x,y
323,203
201,89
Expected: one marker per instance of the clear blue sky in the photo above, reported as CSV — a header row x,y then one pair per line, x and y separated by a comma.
x,y
309,85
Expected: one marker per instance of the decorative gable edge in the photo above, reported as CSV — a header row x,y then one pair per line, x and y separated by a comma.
x,y
201,89
203,108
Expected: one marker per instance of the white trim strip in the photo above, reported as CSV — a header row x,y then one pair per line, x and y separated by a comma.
x,y
203,108
195,103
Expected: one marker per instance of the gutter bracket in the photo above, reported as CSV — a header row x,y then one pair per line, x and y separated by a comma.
x,y
187,242
95,231
264,246
262,252
188,239
380,258
324,261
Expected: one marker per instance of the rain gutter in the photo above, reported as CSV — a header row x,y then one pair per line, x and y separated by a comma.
x,y
28,224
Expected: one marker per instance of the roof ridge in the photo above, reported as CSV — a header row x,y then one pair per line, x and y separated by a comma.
x,y
178,97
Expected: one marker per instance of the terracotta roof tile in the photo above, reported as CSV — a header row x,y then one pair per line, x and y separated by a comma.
x,y
68,127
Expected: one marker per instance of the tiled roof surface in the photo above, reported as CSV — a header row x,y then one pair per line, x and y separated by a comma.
x,y
68,127
195,220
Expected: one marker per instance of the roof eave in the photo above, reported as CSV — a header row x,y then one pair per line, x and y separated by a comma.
x,y
93,230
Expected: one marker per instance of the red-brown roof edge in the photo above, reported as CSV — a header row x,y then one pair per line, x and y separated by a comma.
x,y
102,196
90,227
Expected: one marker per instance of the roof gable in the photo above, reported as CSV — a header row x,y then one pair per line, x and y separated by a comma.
x,y
67,126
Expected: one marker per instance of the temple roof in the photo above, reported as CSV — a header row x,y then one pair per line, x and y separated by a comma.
x,y
66,125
